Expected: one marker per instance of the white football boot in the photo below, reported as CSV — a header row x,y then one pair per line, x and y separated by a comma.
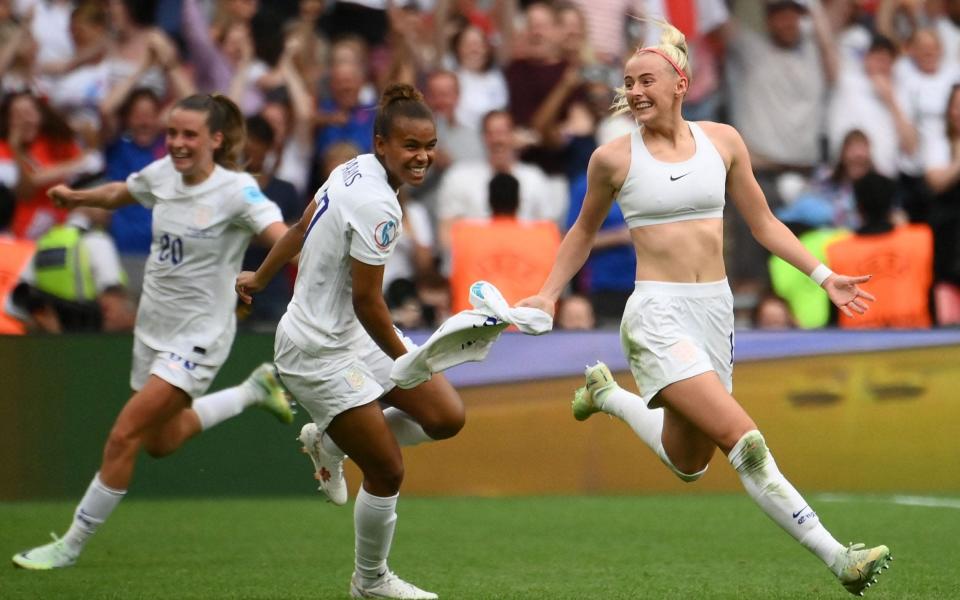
x,y
272,396
389,586
857,567
328,469
55,555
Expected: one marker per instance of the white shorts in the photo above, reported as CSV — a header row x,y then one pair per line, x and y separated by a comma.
x,y
192,378
329,385
674,331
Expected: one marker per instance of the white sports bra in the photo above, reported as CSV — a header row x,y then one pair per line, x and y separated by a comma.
x,y
657,192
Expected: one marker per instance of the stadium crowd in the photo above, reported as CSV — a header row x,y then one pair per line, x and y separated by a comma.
x,y
849,109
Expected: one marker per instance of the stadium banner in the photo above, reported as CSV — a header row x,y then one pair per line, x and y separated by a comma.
x,y
828,405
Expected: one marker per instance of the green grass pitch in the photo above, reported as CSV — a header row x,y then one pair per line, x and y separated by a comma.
x,y
686,546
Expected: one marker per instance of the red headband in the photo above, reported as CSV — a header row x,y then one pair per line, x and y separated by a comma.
x,y
663,54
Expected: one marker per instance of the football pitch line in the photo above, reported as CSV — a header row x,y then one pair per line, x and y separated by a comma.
x,y
926,501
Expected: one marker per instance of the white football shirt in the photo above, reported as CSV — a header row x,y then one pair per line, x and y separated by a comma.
x,y
358,216
200,233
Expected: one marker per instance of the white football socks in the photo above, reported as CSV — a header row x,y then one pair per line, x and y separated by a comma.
x,y
630,408
779,499
94,508
375,519
217,407
407,431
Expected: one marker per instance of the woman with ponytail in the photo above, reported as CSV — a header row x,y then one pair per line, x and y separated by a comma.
x,y
670,177
205,211
336,344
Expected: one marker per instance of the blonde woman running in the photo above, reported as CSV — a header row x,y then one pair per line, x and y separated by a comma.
x,y
670,177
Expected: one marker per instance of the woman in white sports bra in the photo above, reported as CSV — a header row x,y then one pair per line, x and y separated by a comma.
x,y
670,177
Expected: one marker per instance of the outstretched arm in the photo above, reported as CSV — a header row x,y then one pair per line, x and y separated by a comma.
x,y
773,235
283,251
109,196
576,245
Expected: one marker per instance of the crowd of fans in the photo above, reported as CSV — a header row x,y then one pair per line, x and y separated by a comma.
x,y
850,110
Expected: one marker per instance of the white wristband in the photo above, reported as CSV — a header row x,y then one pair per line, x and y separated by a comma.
x,y
820,274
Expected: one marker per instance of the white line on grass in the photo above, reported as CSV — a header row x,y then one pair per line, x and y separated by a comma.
x,y
929,501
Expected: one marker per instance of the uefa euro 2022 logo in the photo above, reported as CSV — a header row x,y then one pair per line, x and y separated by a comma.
x,y
386,233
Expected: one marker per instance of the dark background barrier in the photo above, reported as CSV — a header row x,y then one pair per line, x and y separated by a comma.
x,y
879,416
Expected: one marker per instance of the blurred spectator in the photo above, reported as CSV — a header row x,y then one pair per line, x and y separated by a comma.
x,y
947,25
141,142
923,81
81,85
312,49
410,50
15,256
132,40
404,304
704,24
547,99
835,185
434,293
49,22
290,111
337,154
482,87
464,192
531,76
772,312
609,275
609,26
75,281
341,115
943,177
864,100
811,218
272,301
575,313
37,151
225,63
228,12
900,260
778,83
365,18
514,256
18,58
413,255
455,141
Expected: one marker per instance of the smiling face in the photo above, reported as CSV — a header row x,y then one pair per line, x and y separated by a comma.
x,y
191,144
408,150
652,88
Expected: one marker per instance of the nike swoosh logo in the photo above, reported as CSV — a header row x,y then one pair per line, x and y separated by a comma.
x,y
797,514
674,178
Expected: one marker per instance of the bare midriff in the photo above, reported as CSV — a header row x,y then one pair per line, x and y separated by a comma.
x,y
680,252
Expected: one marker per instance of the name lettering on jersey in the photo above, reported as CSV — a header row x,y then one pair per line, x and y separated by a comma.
x,y
351,172
386,233
253,195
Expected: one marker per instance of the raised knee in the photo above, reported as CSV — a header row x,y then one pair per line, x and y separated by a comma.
x,y
445,427
157,449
